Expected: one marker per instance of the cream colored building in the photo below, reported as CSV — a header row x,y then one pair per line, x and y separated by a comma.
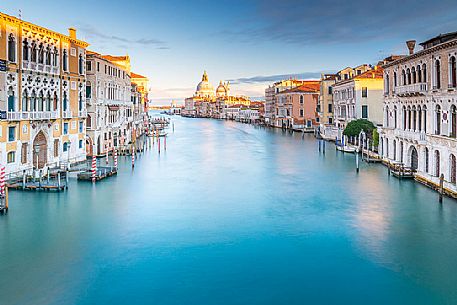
x,y
420,111
42,96
109,103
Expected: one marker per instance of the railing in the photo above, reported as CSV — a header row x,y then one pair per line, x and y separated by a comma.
x,y
411,89
31,115
67,114
410,135
82,113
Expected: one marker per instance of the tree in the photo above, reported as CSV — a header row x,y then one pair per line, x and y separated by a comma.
x,y
375,138
355,127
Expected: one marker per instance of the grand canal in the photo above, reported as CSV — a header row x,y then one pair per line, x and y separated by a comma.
x,y
232,214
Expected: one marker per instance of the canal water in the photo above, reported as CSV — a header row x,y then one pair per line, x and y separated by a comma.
x,y
232,214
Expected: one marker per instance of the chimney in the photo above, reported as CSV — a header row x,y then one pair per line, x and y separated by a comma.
x,y
411,44
72,33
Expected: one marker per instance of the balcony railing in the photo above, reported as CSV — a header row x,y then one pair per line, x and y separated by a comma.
x,y
420,88
31,115
67,114
410,135
82,113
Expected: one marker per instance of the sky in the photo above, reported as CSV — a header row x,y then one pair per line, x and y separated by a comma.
x,y
250,43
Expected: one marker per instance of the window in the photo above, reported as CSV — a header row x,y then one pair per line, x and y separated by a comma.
x,y
81,126
65,60
364,111
89,66
65,146
301,113
98,67
330,90
330,108
11,48
11,99
56,147
81,64
301,99
452,72
25,49
437,74
65,102
80,144
438,120
11,157
359,72
65,128
330,120
88,90
364,92
12,133
24,153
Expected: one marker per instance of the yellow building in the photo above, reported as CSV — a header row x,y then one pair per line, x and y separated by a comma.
x,y
42,90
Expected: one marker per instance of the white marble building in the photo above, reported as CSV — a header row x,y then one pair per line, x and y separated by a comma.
x,y
420,111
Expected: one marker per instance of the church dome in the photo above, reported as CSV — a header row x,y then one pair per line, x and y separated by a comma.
x,y
204,88
221,90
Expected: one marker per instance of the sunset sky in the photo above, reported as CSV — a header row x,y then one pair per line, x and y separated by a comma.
x,y
250,42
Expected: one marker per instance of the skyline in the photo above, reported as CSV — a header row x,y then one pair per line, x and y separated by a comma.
x,y
225,38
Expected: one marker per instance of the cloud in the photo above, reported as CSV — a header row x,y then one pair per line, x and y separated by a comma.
x,y
93,33
335,21
277,77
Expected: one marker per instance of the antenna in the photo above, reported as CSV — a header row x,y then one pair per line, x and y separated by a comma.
x,y
20,14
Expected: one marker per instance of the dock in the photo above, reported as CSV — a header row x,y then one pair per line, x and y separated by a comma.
x,y
400,171
54,180
101,173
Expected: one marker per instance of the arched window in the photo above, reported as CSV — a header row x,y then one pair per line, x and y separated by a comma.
x,y
80,103
404,118
48,56
33,101
424,73
25,101
40,101
452,168
386,115
65,146
426,160
65,102
387,84
403,76
395,151
438,120
437,74
88,89
419,118
425,118
414,118
395,116
419,74
413,75
408,74
25,50
55,56
81,64
48,102
395,79
409,118
34,52
301,99
453,121
55,102
11,48
437,163
41,54
64,60
452,72
11,99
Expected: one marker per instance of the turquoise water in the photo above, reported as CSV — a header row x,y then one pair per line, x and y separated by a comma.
x,y
232,214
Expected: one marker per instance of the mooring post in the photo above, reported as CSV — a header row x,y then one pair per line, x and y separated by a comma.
x,y
66,178
165,142
23,179
6,198
39,178
58,180
48,175
357,160
173,126
323,147
441,190
158,138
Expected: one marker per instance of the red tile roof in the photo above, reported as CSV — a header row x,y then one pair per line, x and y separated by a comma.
x,y
134,75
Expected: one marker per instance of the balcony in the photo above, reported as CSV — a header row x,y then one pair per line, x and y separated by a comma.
x,y
411,135
411,90
82,113
31,115
67,114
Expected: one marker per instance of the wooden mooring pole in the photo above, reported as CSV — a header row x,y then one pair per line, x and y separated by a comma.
x,y
441,190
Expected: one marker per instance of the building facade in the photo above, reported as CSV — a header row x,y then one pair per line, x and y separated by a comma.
x,y
42,89
420,111
359,97
325,103
109,103
297,107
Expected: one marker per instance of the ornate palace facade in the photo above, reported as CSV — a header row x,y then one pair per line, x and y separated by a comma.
x,y
420,111
42,89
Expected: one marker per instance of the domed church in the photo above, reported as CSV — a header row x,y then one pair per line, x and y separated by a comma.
x,y
206,90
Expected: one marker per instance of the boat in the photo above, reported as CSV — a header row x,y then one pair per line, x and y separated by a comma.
x,y
345,148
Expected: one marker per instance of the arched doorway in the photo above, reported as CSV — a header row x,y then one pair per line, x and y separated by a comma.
x,y
40,150
414,158
89,146
99,146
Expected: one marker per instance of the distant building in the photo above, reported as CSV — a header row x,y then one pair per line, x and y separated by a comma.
x,y
297,107
358,96
325,103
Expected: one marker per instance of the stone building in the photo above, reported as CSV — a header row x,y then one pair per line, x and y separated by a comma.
x,y
358,96
42,88
420,111
109,103
325,103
